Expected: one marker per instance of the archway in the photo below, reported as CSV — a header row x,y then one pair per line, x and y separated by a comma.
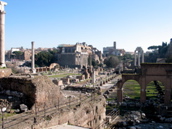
x,y
131,89
155,90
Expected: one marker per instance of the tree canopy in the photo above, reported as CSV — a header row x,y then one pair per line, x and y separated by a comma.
x,y
45,58
153,48
159,51
18,53
111,61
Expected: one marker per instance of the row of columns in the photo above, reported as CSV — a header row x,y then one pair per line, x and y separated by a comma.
x,y
138,55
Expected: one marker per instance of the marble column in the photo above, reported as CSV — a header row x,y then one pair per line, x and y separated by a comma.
x,y
139,59
135,59
143,57
2,34
33,58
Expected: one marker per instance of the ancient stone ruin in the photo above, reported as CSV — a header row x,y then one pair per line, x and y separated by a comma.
x,y
43,104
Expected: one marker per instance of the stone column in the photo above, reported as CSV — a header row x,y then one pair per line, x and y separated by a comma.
x,y
167,97
143,57
119,95
143,95
143,90
138,59
135,59
33,59
2,34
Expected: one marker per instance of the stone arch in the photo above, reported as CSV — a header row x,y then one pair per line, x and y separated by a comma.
x,y
154,86
166,82
54,66
126,77
120,84
123,82
130,87
148,73
161,79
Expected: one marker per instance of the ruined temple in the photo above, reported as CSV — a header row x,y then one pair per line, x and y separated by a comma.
x,y
77,55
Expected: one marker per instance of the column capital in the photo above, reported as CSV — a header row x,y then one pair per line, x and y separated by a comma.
x,y
2,4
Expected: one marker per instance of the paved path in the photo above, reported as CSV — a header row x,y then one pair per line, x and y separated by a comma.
x,y
110,83
65,126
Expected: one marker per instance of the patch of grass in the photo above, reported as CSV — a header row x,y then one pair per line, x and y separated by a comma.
x,y
131,89
6,115
109,99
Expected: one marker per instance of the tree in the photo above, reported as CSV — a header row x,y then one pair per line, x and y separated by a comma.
x,y
43,58
17,55
153,48
111,61
95,63
158,52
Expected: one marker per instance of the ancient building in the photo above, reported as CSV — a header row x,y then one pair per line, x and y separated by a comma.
x,y
76,55
113,51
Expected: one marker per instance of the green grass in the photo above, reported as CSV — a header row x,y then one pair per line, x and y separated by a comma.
x,y
6,115
2,67
132,89
151,91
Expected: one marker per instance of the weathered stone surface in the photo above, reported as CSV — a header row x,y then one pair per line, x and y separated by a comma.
x,y
41,94
39,91
5,72
89,115
23,107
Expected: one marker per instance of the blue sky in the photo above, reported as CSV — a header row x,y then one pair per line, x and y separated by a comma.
x,y
131,23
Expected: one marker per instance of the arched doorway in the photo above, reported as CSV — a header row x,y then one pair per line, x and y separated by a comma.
x,y
155,90
131,89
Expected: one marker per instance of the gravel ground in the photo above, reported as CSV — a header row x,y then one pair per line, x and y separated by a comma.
x,y
154,126
150,125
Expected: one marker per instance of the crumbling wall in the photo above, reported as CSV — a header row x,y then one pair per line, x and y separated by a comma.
x,y
44,97
88,114
40,91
